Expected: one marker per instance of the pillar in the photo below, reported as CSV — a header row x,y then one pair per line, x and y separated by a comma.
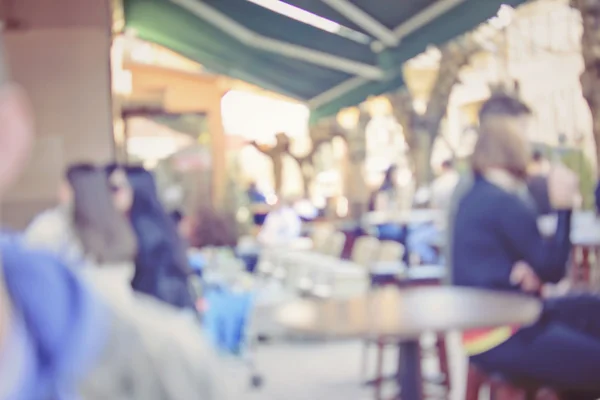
x,y
59,51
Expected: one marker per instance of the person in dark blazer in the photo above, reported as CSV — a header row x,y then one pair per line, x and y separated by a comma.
x,y
496,245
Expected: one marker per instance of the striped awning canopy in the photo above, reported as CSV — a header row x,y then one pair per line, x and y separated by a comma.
x,y
330,54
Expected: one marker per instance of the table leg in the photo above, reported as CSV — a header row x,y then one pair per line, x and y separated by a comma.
x,y
585,265
410,378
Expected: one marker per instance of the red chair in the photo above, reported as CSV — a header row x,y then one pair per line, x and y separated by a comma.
x,y
382,343
583,259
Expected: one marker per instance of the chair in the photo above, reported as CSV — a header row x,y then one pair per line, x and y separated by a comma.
x,y
332,245
390,251
335,244
501,389
344,277
584,263
366,249
321,236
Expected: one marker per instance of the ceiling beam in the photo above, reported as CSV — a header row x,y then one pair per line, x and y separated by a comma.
x,y
253,39
336,91
419,20
424,17
364,20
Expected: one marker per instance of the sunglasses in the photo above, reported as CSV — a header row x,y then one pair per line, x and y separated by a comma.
x,y
115,188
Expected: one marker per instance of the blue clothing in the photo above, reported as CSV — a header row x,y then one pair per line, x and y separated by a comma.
x,y
256,197
419,241
493,230
65,325
16,362
392,231
226,318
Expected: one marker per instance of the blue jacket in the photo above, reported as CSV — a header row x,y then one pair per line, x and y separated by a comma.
x,y
63,325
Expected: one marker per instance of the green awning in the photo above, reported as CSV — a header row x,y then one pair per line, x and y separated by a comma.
x,y
357,53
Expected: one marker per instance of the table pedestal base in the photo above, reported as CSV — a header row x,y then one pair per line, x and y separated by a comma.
x,y
410,379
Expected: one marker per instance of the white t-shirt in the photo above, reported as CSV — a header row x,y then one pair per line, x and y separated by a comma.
x,y
442,189
53,231
281,226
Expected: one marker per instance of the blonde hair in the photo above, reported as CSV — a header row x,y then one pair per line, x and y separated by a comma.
x,y
502,144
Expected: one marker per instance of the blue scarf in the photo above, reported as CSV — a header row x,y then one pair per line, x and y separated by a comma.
x,y
63,325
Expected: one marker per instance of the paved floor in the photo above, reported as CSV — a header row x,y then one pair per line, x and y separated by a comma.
x,y
296,369
301,370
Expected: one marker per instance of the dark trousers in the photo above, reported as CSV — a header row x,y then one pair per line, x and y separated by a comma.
x,y
259,219
396,233
250,261
561,350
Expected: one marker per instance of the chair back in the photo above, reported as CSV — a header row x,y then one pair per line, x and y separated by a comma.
x,y
320,237
365,250
390,251
335,244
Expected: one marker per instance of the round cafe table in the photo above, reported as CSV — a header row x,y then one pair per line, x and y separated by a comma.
x,y
406,217
407,314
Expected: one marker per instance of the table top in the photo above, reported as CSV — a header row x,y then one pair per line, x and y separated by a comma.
x,y
409,313
313,258
417,216
296,246
585,227
401,271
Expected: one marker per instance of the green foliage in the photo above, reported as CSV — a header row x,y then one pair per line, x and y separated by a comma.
x,y
579,163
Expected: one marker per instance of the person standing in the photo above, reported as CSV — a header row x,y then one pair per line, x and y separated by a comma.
x,y
258,204
59,340
387,201
282,225
498,246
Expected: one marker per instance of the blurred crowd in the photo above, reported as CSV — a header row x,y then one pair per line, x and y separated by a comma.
x,y
99,296
95,295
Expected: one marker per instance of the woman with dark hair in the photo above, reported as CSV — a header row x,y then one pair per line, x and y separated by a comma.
x,y
496,245
386,199
387,194
161,265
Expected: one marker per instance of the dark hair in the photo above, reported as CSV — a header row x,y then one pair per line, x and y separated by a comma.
x,y
214,229
501,144
503,105
112,167
176,216
447,164
388,179
103,231
537,156
79,168
161,265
